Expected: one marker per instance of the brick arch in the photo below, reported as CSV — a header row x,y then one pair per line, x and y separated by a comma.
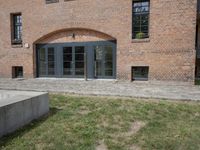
x,y
74,35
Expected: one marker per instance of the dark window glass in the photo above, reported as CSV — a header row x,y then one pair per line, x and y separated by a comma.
x,y
67,61
79,60
16,28
51,1
51,61
17,72
140,23
140,73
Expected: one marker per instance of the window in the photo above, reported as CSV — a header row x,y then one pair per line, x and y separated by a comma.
x,y
140,23
51,1
140,73
17,72
16,29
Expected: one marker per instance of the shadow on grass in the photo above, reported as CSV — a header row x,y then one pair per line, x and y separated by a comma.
x,y
34,124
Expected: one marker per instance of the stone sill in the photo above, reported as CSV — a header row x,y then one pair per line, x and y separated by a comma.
x,y
17,46
140,40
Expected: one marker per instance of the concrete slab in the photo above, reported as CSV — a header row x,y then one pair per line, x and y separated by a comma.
x,y
18,108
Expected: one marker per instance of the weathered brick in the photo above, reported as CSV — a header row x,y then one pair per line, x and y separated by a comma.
x,y
169,51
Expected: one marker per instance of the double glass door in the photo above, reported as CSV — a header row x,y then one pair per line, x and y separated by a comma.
x,y
76,60
61,61
73,61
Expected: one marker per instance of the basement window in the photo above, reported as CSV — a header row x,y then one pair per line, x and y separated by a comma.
x,y
140,73
51,1
17,72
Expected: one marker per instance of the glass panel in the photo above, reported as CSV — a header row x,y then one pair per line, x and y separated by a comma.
x,y
67,50
79,68
42,64
108,61
79,49
51,61
79,57
67,61
98,56
140,73
51,51
109,72
99,68
17,27
140,19
79,60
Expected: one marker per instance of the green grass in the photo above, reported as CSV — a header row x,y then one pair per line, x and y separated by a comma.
x,y
79,123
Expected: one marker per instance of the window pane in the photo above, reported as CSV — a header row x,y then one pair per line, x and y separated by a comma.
x,y
140,73
17,29
79,49
140,19
67,50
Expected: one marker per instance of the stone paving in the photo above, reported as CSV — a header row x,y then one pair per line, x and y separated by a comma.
x,y
160,90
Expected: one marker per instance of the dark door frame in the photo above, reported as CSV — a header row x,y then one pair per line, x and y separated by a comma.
x,y
89,50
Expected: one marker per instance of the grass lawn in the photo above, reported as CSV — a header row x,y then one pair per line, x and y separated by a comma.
x,y
89,123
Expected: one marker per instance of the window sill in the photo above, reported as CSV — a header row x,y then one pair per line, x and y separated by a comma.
x,y
17,46
141,40
139,79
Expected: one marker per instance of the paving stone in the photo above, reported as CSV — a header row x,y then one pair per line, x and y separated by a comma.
x,y
160,90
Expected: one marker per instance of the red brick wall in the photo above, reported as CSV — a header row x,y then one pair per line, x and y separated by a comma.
x,y
169,51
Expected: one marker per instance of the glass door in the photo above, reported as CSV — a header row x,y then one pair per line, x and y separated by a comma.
x,y
51,61
103,61
46,57
79,61
42,62
67,61
73,61
98,61
108,61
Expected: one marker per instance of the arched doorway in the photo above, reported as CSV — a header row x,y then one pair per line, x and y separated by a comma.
x,y
76,53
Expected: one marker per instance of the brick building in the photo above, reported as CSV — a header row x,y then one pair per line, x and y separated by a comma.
x,y
122,39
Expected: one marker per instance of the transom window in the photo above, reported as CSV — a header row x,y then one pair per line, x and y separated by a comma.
x,y
140,23
16,28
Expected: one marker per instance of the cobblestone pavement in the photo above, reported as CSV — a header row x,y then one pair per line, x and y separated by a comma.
x,y
161,90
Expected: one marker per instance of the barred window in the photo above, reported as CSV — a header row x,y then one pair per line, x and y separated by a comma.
x,y
140,15
16,28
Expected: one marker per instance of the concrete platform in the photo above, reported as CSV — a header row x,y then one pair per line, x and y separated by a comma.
x,y
18,108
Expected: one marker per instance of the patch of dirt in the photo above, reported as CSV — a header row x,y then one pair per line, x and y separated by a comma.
x,y
135,147
83,111
135,127
101,146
